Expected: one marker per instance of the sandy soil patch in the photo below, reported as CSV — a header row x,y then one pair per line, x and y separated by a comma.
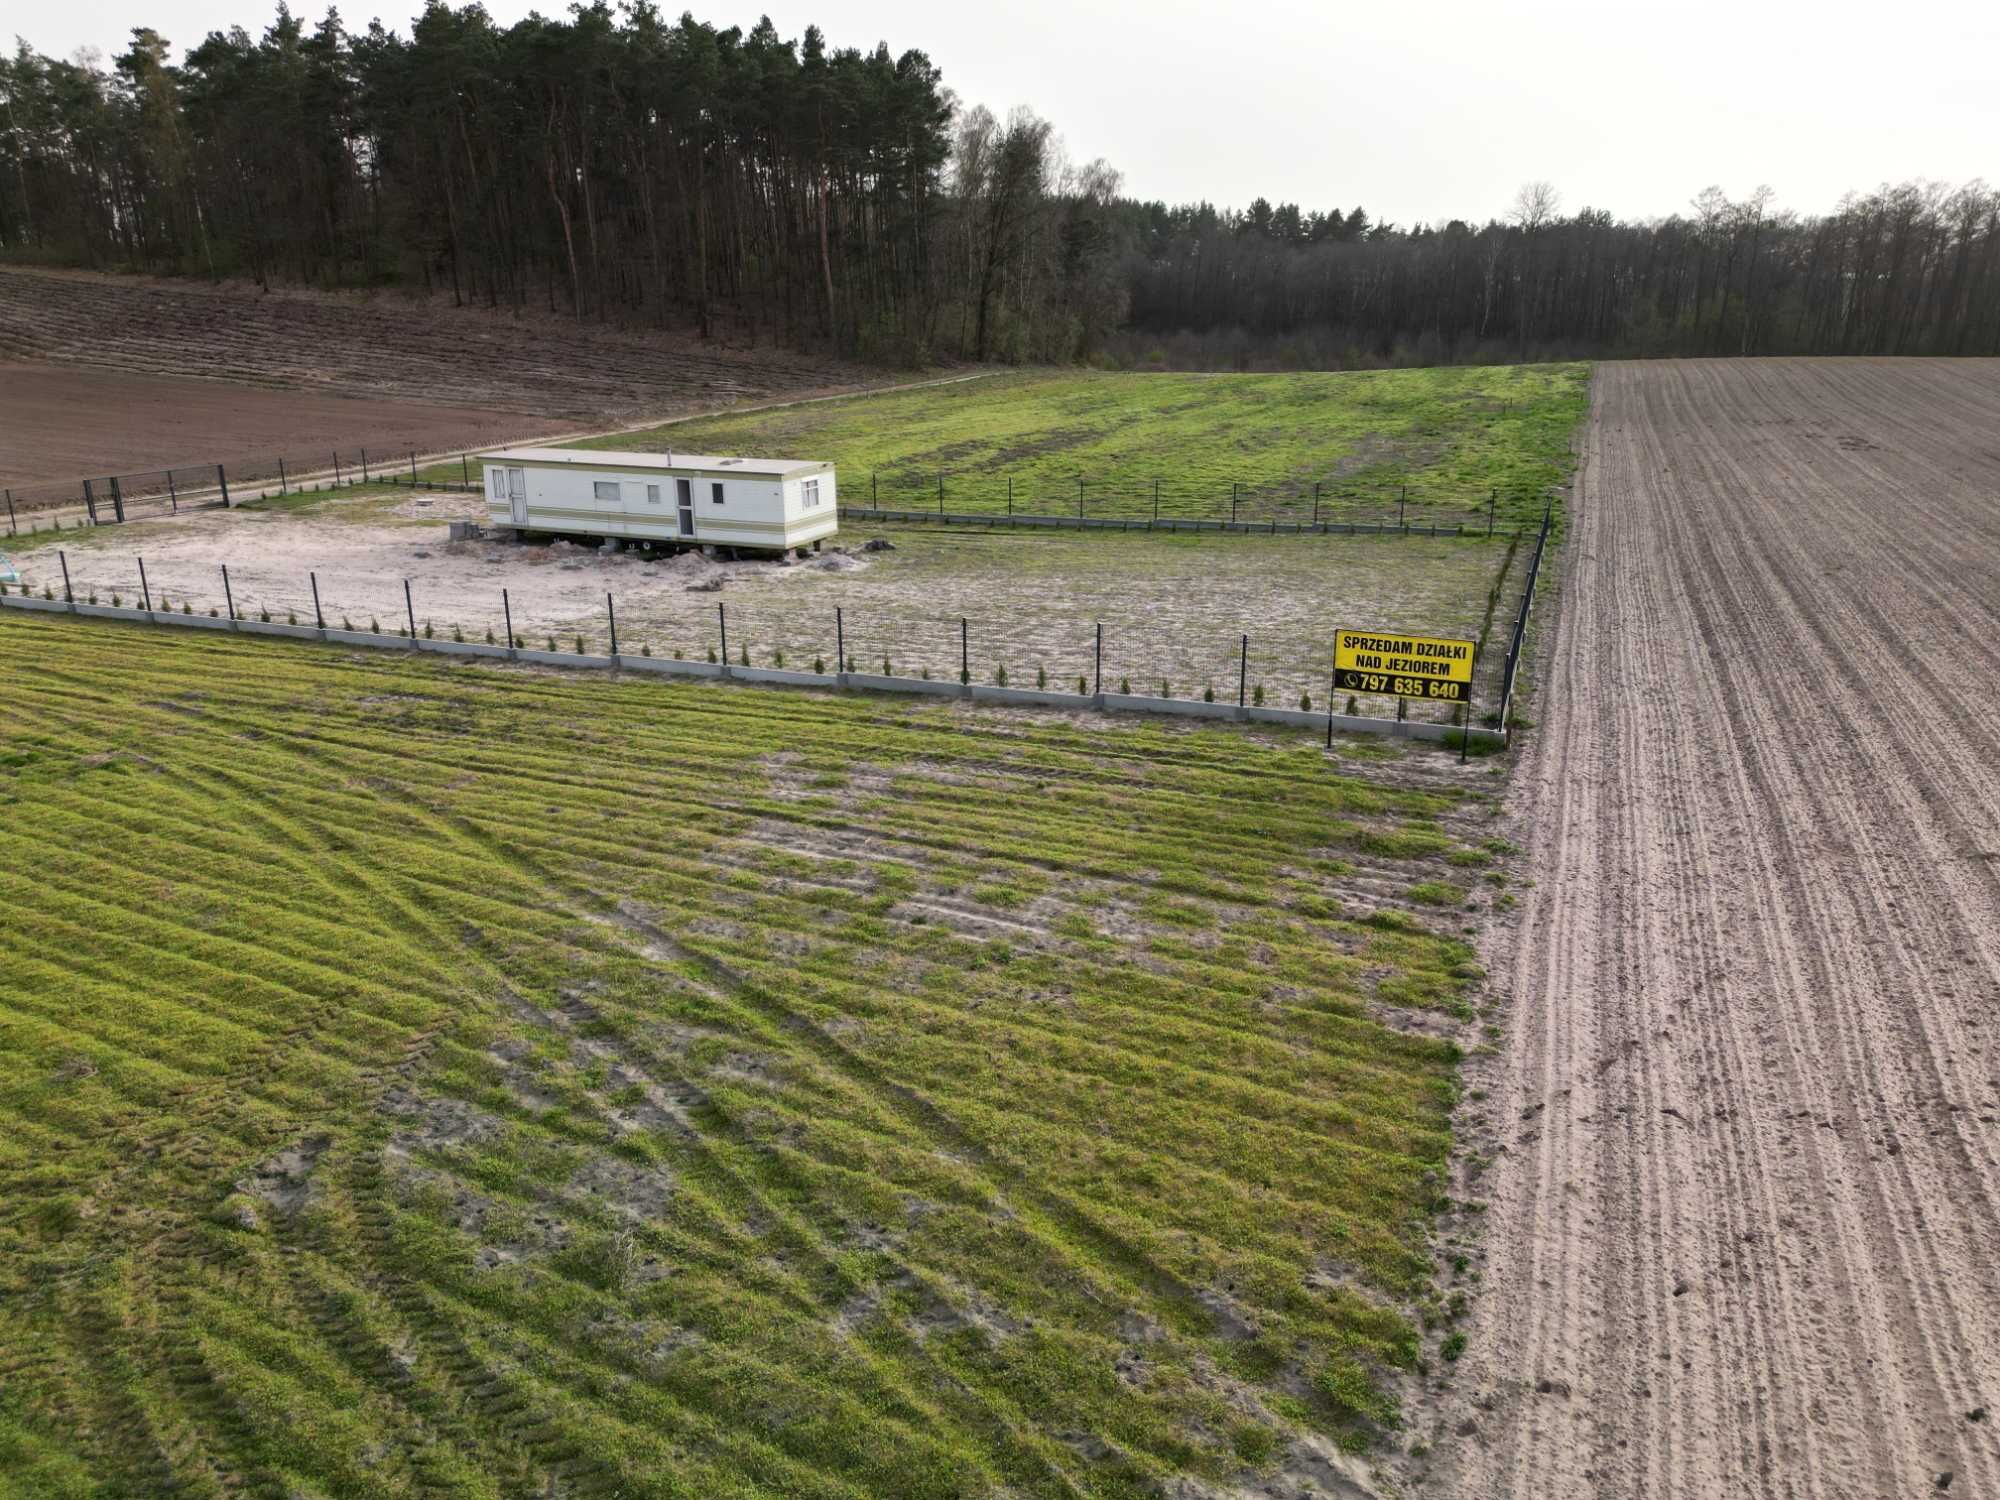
x,y
1745,1207
1174,609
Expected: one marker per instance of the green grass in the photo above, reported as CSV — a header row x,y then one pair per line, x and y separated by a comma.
x,y
426,1077
1451,435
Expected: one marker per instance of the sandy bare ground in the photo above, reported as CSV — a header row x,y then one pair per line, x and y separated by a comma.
x,y
1745,1215
1173,608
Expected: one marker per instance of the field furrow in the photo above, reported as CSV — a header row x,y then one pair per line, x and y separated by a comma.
x,y
1747,1199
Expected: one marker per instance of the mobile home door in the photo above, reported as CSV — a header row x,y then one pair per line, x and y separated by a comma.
x,y
684,492
517,494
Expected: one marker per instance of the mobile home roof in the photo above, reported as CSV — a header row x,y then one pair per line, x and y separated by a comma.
x,y
604,458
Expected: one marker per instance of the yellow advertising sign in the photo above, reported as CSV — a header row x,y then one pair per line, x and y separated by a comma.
x,y
1406,666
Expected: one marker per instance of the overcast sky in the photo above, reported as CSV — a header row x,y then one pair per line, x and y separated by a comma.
x,y
1417,112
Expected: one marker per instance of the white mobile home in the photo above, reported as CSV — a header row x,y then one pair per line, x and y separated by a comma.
x,y
678,498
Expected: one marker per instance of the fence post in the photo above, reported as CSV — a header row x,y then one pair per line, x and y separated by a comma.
x,y
611,613
337,481
173,499
1242,674
874,496
722,623
12,529
1097,680
1402,504
1465,725
465,468
117,500
1079,497
1010,494
1315,502
364,465
940,491
222,483
413,468
1492,502
1156,500
507,613
1235,492
839,643
964,657
69,598
410,605
228,597
284,485
319,620
1332,682
89,502
145,593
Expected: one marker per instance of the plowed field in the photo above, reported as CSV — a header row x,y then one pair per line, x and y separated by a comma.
x,y
1746,1203
64,424
386,348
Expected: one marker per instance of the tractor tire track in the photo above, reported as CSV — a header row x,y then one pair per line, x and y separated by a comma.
x,y
1746,1209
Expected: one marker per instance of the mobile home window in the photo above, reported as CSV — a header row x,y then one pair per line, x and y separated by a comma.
x,y
652,494
716,491
606,490
499,478
809,492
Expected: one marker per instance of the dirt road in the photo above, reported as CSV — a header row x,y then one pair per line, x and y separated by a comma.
x,y
1744,1230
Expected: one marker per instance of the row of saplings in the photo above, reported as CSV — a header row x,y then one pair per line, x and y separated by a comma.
x,y
777,656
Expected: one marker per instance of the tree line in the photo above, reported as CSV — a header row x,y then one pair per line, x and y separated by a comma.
x,y
1907,269
603,166
619,167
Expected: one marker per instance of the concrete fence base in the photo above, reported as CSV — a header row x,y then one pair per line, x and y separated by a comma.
x,y
847,681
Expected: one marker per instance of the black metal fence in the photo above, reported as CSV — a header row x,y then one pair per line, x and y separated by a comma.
x,y
1516,642
115,498
1221,665
1030,498
1289,501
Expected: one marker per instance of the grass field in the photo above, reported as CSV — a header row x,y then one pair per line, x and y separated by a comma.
x,y
1452,435
466,1080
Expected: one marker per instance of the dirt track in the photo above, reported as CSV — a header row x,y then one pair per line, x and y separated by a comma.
x,y
1744,1230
